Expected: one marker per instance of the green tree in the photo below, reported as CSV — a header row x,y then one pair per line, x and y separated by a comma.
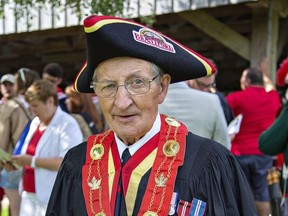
x,y
107,7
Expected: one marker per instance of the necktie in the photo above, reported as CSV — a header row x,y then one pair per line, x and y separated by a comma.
x,y
125,156
120,207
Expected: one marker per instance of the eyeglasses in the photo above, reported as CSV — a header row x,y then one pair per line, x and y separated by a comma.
x,y
134,86
22,72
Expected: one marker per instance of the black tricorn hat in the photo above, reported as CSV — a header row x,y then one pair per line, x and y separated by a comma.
x,y
108,37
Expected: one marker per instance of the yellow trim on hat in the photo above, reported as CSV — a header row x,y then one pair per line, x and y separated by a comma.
x,y
77,78
101,23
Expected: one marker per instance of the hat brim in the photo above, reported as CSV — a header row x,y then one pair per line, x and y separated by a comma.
x,y
109,37
7,78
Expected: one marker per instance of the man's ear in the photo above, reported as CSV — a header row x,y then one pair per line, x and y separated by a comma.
x,y
165,81
248,82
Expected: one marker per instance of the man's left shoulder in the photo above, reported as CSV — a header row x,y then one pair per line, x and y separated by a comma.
x,y
194,141
201,149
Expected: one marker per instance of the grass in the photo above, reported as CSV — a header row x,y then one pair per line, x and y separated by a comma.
x,y
5,207
5,212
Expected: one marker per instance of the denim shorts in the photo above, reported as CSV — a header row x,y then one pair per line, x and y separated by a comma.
x,y
256,169
10,180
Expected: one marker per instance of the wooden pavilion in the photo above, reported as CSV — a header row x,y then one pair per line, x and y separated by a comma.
x,y
234,33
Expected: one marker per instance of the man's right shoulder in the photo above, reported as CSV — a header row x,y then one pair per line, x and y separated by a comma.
x,y
8,107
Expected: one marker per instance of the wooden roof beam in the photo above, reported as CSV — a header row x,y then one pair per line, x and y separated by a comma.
x,y
280,6
219,31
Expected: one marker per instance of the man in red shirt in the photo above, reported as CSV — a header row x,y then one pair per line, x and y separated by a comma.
x,y
259,108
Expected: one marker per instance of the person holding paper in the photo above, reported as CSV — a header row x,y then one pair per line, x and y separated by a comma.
x,y
259,109
51,134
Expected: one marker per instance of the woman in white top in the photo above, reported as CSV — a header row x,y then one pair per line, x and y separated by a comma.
x,y
52,133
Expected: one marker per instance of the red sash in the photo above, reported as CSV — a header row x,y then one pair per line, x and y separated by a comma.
x,y
102,157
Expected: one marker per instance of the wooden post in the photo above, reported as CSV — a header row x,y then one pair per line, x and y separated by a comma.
x,y
272,40
258,35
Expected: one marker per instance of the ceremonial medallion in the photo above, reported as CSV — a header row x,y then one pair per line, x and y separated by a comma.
x,y
171,121
171,148
150,213
97,151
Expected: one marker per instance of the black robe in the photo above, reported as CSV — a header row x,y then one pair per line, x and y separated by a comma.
x,y
209,173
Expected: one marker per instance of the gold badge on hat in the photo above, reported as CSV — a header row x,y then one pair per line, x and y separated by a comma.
x,y
171,121
97,151
171,148
150,213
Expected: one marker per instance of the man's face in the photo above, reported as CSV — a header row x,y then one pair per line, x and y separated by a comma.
x,y
203,83
55,80
7,90
131,116
243,81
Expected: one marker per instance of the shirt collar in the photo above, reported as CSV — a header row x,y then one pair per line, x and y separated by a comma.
x,y
137,145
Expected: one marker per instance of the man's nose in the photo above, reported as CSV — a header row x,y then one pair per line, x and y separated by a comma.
x,y
122,97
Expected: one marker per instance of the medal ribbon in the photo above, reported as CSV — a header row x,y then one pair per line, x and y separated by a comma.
x,y
158,194
170,155
95,188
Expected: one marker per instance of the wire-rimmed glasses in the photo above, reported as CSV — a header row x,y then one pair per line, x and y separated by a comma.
x,y
134,86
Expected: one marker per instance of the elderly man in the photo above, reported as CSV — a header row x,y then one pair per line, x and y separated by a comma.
x,y
164,169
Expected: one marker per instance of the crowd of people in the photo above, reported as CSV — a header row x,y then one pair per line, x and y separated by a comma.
x,y
38,125
155,141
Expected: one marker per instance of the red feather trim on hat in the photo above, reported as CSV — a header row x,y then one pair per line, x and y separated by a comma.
x,y
282,73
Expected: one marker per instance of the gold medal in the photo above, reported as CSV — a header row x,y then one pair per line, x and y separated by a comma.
x,y
97,151
171,148
150,213
173,122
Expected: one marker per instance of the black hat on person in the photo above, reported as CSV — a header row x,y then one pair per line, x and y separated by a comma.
x,y
108,37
